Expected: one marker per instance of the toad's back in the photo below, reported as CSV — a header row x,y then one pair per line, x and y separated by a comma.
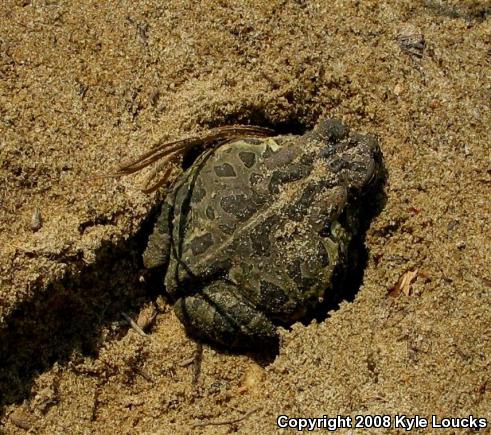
x,y
245,212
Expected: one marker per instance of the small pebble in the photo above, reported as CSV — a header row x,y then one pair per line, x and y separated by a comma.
x,y
36,220
146,317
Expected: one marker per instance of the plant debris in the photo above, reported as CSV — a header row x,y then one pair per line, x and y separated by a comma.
x,y
404,284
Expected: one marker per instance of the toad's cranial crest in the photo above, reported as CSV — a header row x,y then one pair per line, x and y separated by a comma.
x,y
254,232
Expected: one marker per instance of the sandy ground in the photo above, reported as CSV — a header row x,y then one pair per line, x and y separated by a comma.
x,y
85,85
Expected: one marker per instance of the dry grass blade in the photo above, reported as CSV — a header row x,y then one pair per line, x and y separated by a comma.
x,y
149,188
170,150
155,154
132,323
231,421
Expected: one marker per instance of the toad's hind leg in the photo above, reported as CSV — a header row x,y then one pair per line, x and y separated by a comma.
x,y
219,314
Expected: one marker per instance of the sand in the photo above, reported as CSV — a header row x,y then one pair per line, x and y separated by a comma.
x,y
87,85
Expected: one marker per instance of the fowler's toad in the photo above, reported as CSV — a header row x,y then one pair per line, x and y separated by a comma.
x,y
254,231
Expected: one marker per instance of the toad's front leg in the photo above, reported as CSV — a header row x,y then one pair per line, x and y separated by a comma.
x,y
218,313
157,252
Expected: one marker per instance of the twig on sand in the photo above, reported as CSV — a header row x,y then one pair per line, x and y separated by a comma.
x,y
187,361
198,358
195,360
145,375
232,421
133,324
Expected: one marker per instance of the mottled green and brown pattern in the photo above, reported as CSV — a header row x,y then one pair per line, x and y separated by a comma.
x,y
254,230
